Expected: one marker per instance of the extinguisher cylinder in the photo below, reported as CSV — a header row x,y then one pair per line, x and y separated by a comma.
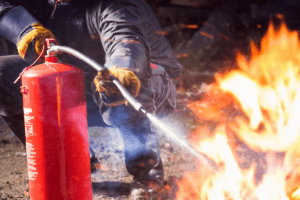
x,y
57,141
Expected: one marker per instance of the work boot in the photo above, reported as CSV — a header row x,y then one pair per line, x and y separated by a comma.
x,y
94,160
145,189
149,186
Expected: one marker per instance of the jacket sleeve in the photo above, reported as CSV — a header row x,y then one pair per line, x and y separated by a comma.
x,y
14,22
121,30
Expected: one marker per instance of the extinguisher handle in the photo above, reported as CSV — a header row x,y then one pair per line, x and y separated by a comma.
x,y
57,49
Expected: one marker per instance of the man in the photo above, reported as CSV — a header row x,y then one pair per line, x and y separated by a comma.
x,y
125,33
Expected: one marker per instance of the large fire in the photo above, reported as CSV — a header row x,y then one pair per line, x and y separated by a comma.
x,y
251,126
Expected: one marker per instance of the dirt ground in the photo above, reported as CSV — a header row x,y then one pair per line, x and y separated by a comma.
x,y
13,167
112,180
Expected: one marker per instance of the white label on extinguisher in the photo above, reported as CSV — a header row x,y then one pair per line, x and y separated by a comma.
x,y
32,173
27,111
31,153
28,123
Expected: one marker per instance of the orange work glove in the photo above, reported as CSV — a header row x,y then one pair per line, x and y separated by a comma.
x,y
38,34
126,77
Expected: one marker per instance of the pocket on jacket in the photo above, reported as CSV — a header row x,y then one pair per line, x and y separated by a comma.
x,y
163,86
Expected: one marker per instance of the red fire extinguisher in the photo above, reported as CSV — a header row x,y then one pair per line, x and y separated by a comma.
x,y
57,142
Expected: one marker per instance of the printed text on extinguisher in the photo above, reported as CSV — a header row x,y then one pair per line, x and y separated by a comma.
x,y
31,163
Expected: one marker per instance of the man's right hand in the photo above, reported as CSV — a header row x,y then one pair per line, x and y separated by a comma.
x,y
37,34
111,94
126,77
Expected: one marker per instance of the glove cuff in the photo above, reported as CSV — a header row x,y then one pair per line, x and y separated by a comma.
x,y
15,22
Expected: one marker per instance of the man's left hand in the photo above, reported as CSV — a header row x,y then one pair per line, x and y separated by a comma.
x,y
38,34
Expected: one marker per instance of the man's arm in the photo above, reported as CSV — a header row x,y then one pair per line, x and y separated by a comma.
x,y
14,22
122,33
120,26
21,28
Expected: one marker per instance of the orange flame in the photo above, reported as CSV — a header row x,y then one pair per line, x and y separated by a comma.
x,y
255,137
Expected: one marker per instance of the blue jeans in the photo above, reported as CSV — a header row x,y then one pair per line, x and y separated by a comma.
x,y
158,95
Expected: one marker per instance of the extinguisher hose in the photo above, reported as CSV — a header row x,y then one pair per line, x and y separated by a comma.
x,y
56,49
207,162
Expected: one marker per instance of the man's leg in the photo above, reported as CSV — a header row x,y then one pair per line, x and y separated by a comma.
x,y
142,158
141,150
16,125
11,106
